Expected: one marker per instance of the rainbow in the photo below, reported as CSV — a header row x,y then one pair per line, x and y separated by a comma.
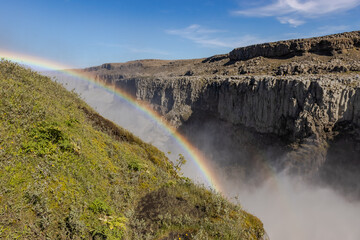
x,y
203,165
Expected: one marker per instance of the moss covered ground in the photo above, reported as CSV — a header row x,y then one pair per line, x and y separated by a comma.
x,y
68,173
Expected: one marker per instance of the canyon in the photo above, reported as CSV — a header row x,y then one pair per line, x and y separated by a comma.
x,y
289,106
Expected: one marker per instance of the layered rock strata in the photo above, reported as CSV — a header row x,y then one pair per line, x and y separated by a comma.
x,y
327,45
303,110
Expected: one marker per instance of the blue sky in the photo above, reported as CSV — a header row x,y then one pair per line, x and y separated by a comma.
x,y
85,33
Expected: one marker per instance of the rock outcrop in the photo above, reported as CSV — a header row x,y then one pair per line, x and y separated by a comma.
x,y
305,111
327,45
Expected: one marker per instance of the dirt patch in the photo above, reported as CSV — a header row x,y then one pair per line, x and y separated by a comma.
x,y
166,207
165,201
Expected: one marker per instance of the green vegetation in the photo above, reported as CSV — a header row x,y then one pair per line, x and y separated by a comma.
x,y
68,173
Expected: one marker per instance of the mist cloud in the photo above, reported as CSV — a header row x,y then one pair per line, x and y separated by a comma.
x,y
293,209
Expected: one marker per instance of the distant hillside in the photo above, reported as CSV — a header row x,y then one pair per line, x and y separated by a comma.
x,y
68,173
338,53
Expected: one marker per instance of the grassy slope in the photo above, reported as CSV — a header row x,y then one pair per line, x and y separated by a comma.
x,y
68,173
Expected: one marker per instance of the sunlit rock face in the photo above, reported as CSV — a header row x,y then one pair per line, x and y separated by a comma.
x,y
306,112
327,45
297,107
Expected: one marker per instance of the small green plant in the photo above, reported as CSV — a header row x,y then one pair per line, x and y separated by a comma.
x,y
179,163
135,166
71,122
98,206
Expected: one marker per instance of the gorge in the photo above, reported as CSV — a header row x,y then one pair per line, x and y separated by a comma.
x,y
296,103
280,125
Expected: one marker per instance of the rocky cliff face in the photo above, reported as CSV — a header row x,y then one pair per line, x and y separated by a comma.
x,y
295,102
304,111
296,107
327,45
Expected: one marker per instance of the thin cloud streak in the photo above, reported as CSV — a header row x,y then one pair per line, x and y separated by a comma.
x,y
209,37
294,11
292,21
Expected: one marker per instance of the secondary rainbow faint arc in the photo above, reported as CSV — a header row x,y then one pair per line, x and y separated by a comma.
x,y
195,154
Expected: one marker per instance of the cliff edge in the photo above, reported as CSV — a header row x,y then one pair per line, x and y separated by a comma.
x,y
328,45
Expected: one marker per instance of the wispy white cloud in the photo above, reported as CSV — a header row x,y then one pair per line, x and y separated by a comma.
x,y
195,28
207,37
294,12
292,21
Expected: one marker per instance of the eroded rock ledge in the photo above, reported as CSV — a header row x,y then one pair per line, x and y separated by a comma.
x,y
327,45
302,110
